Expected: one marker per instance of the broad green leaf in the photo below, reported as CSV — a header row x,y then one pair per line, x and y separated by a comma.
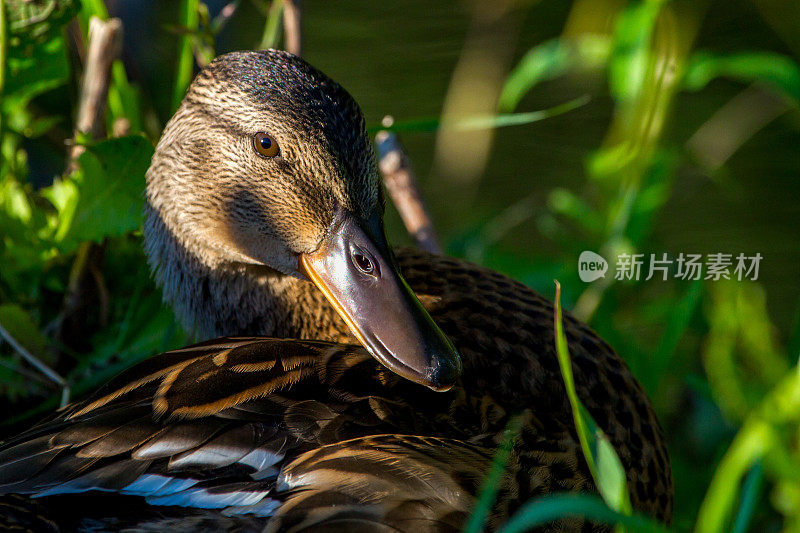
x,y
64,195
14,201
777,70
109,181
32,70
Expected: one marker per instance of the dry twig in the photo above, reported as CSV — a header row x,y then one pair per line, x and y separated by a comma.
x,y
86,280
105,42
293,26
398,176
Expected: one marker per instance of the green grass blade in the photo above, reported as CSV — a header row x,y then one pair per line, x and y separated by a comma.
x,y
777,70
550,60
604,463
676,326
491,485
631,49
751,490
3,55
190,17
562,350
431,124
546,509
749,446
272,27
96,8
762,435
793,346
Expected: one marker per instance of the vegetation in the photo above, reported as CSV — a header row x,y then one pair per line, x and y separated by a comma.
x,y
75,291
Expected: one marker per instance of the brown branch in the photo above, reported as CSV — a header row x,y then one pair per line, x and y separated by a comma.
x,y
105,43
398,176
86,297
293,26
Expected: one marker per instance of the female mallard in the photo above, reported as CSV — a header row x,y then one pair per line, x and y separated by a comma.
x,y
263,180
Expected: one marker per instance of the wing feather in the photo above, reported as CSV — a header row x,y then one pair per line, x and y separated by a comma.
x,y
256,426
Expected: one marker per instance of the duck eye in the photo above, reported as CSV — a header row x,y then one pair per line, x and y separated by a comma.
x,y
265,145
363,263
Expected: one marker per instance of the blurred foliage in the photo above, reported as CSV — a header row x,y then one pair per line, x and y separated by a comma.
x,y
38,20
722,376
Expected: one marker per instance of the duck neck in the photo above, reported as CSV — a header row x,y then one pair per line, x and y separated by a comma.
x,y
213,300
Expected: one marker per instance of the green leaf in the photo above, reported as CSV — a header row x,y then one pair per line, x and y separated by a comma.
x,y
33,70
482,122
766,434
562,350
64,195
777,70
676,325
491,484
750,494
613,485
604,464
272,27
94,8
124,100
40,20
631,48
566,203
546,509
189,18
21,327
14,202
550,60
109,184
742,356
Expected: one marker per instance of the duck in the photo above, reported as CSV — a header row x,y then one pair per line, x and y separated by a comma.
x,y
347,385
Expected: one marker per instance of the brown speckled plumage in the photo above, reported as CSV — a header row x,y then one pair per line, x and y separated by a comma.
x,y
504,332
314,433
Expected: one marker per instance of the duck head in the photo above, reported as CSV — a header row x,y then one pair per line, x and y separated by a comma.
x,y
266,170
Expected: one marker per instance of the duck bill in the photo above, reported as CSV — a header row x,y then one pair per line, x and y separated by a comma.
x,y
356,271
